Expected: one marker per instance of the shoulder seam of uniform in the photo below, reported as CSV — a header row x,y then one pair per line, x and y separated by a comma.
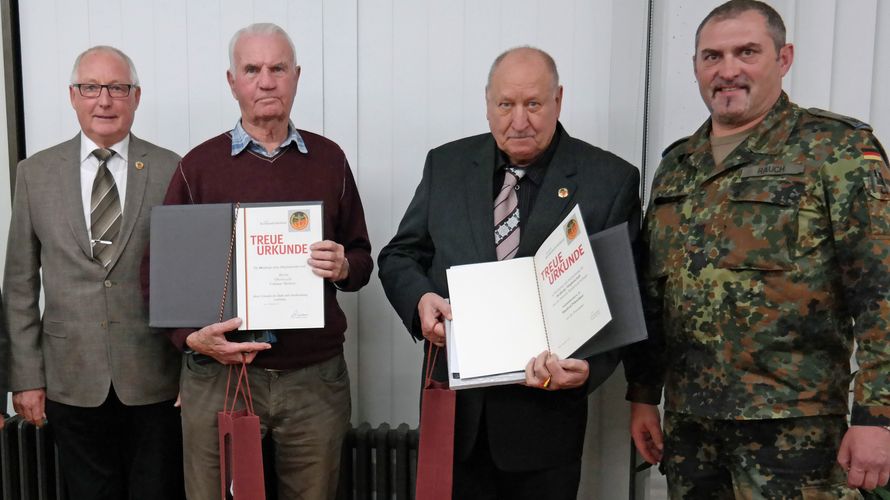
x,y
674,145
854,123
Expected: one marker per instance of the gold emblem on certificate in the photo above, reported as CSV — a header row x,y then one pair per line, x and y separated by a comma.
x,y
298,220
571,229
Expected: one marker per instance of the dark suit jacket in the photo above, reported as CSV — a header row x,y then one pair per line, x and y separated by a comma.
x,y
94,328
449,222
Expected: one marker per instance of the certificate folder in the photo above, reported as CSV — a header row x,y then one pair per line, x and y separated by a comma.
x,y
614,258
270,285
615,267
189,249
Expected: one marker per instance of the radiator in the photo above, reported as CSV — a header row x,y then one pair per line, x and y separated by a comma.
x,y
376,464
29,463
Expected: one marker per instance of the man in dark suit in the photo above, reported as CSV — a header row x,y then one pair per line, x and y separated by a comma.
x,y
89,363
517,441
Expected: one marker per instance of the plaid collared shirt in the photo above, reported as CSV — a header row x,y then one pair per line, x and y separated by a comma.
x,y
241,140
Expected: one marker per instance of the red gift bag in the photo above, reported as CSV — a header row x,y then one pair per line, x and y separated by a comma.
x,y
240,445
435,451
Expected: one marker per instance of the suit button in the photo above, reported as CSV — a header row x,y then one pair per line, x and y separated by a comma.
x,y
107,283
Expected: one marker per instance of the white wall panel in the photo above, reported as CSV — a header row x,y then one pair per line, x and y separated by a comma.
x,y
305,22
204,74
854,45
813,40
169,70
340,123
378,325
880,104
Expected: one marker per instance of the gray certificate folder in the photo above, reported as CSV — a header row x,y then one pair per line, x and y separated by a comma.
x,y
189,256
615,262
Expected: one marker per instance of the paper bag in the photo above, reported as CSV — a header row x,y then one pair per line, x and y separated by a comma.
x,y
240,446
435,451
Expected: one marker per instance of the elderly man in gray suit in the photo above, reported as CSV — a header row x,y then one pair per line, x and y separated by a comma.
x,y
90,364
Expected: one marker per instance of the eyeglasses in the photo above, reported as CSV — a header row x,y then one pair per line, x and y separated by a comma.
x,y
115,90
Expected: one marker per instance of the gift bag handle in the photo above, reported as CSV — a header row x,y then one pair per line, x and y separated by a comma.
x,y
431,357
242,386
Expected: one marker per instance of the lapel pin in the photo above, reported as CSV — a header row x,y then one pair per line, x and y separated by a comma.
x,y
140,165
563,193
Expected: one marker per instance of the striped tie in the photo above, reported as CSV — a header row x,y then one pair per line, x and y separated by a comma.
x,y
105,210
506,215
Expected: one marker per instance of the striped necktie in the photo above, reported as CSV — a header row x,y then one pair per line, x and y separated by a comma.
x,y
105,210
506,215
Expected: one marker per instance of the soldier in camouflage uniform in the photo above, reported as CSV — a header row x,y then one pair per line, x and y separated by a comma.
x,y
768,239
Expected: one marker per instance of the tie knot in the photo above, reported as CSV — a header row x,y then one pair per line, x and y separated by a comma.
x,y
103,154
517,172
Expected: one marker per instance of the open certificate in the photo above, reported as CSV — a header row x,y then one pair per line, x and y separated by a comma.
x,y
505,313
275,287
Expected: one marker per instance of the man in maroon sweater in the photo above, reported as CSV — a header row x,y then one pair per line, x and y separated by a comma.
x,y
299,384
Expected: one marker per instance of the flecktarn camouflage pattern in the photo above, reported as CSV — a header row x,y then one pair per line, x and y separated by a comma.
x,y
763,270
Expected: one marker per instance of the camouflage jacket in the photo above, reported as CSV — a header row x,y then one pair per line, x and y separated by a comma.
x,y
761,272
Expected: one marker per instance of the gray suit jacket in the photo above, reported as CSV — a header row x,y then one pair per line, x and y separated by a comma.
x,y
94,329
449,222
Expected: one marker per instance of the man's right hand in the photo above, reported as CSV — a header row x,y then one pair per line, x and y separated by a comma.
x,y
433,311
31,405
211,341
645,428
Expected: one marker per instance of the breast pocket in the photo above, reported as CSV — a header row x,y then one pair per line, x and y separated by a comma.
x,y
758,230
667,232
878,201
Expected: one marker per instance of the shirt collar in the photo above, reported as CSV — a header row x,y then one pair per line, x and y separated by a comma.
x,y
87,146
241,140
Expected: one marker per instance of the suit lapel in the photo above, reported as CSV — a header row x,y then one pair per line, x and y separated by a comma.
x,y
480,203
72,200
137,180
549,206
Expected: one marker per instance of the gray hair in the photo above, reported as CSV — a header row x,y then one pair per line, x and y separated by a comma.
x,y
734,8
548,61
134,78
258,29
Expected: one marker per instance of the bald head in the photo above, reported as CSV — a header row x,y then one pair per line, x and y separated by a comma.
x,y
526,54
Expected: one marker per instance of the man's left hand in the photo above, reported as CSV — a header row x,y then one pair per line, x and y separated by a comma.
x,y
865,455
328,260
549,372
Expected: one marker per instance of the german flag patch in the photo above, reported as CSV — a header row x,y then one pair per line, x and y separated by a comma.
x,y
872,154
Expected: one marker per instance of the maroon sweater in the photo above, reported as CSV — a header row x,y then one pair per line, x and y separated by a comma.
x,y
210,174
